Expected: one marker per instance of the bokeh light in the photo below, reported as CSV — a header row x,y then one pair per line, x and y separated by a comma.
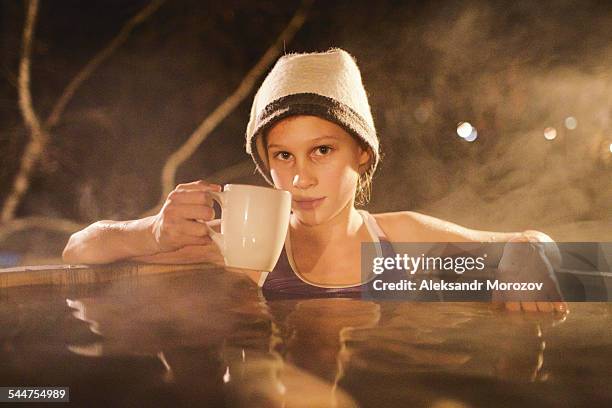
x,y
571,123
550,133
464,129
472,136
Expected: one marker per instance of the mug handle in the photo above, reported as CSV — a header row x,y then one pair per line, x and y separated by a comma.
x,y
217,237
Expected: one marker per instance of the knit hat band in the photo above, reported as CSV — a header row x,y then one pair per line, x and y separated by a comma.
x,y
314,105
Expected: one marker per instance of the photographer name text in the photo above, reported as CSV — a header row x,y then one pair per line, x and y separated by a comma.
x,y
442,285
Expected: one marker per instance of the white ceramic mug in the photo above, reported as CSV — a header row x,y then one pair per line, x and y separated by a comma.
x,y
254,222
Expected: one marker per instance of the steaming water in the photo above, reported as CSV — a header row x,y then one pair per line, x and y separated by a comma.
x,y
209,338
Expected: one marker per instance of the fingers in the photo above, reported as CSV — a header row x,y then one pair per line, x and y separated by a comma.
x,y
560,307
214,223
529,306
546,307
524,262
176,231
191,228
193,212
181,221
513,306
199,185
200,197
194,192
551,285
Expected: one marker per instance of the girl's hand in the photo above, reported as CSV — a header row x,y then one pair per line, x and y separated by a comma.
x,y
524,261
180,222
188,254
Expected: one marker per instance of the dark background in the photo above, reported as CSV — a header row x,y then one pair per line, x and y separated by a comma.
x,y
510,68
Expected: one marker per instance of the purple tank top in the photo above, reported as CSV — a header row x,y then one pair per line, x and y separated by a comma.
x,y
283,283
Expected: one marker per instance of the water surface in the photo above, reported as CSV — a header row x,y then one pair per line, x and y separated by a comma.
x,y
209,337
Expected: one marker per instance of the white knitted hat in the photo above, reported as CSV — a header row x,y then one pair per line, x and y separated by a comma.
x,y
325,84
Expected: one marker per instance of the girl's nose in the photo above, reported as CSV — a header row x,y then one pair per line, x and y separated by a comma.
x,y
304,179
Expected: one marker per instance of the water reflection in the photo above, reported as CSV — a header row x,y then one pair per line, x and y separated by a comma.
x,y
207,337
351,343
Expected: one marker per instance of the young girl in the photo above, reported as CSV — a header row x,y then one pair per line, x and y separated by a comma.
x,y
311,133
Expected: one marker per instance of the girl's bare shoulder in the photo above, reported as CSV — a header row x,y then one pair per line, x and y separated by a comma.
x,y
411,226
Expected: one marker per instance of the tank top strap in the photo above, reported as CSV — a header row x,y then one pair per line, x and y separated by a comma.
x,y
378,235
372,225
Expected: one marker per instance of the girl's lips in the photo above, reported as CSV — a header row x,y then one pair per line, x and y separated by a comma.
x,y
309,204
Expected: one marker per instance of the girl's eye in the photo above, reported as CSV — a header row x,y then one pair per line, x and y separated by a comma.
x,y
282,155
323,150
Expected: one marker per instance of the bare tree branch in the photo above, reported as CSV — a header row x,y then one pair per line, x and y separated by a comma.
x,y
228,105
67,226
230,173
39,134
47,223
95,62
38,137
10,225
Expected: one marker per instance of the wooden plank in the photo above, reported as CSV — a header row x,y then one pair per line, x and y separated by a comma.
x,y
64,275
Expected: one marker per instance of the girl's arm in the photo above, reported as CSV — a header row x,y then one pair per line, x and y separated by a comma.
x,y
167,237
108,241
409,226
185,255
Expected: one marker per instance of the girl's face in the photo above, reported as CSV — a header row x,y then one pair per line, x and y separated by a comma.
x,y
318,163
